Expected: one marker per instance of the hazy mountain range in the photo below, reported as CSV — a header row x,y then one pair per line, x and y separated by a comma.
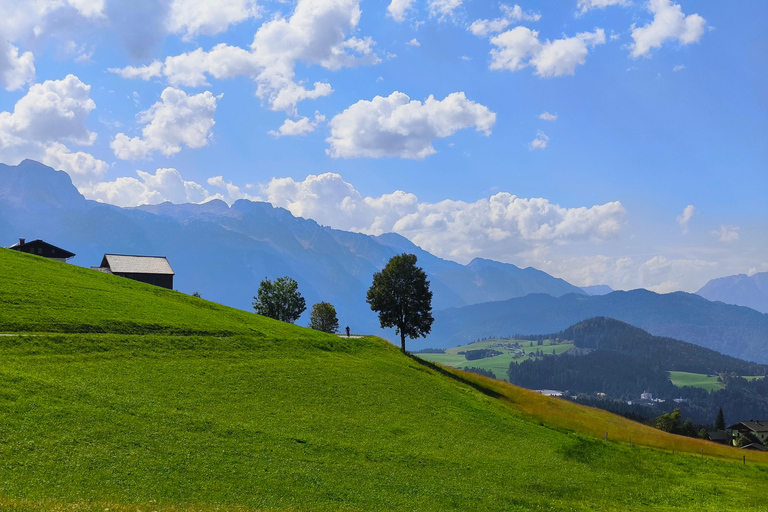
x,y
733,330
224,252
597,289
743,290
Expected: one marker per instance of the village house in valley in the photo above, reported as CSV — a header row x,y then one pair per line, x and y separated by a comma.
x,y
153,270
44,249
757,429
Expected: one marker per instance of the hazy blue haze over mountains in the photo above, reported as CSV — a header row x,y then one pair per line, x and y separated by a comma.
x,y
742,290
224,252
733,330
597,289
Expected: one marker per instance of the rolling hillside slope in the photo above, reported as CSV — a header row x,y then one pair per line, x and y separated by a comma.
x,y
147,399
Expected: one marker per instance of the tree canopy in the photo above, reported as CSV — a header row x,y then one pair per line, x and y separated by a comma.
x,y
400,294
720,420
280,299
323,318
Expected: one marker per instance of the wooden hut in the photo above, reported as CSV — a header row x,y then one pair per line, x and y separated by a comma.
x,y
153,270
44,249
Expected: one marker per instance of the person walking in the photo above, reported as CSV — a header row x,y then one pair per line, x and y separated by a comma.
x,y
347,331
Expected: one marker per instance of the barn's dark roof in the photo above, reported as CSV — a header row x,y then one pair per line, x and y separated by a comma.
x,y
126,264
63,253
718,436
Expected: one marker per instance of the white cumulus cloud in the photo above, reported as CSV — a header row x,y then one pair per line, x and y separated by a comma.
x,y
540,142
443,9
727,234
664,275
175,120
685,217
397,9
206,17
16,69
497,226
21,19
153,70
397,126
520,47
233,191
50,116
546,116
511,15
661,274
319,32
586,5
669,23
165,185
302,126
222,61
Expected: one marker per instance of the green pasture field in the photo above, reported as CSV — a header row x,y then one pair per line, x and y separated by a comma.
x,y
696,380
497,364
172,403
700,380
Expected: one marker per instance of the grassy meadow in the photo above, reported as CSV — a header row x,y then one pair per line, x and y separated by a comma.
x,y
696,380
700,380
117,395
497,364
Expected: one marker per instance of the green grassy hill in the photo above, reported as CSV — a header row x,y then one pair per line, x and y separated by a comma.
x,y
117,395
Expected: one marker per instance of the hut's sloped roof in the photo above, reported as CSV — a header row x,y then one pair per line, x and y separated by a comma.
x,y
754,426
718,436
125,264
63,253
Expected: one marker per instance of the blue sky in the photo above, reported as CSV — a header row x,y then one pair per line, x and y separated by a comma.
x,y
604,141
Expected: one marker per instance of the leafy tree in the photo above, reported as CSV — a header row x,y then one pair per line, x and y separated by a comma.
x,y
669,422
747,438
400,294
720,420
280,299
323,318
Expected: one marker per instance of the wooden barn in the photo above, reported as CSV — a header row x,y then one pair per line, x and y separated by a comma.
x,y
44,249
153,270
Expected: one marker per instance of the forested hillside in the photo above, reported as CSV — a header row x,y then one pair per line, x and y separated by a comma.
x,y
622,361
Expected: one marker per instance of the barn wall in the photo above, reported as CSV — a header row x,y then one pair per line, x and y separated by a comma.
x,y
163,280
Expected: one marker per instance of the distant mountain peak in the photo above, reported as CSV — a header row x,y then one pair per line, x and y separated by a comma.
x,y
597,289
398,241
740,289
32,182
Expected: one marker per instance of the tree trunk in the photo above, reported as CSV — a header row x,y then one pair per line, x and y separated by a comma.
x,y
402,340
